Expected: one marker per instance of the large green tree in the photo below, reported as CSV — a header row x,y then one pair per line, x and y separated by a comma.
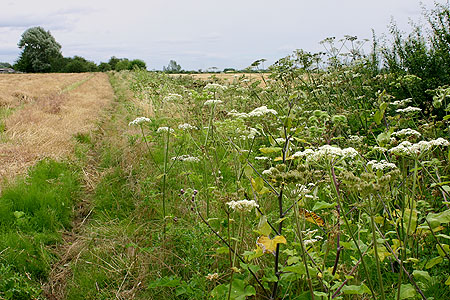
x,y
40,51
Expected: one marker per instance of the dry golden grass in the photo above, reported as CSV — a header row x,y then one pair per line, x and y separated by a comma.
x,y
16,89
45,127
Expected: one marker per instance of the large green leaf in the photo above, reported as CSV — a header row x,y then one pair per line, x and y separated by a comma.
x,y
421,276
321,205
407,291
439,218
434,261
268,150
355,289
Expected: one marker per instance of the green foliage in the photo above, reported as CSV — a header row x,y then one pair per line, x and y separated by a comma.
x,y
5,65
78,64
123,64
16,286
137,64
104,67
172,67
39,51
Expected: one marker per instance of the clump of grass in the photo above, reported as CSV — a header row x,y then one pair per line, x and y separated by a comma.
x,y
33,210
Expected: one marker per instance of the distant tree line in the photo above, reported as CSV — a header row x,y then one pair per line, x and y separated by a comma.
x,y
41,53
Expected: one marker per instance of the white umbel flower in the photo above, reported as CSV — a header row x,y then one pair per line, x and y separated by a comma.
x,y
381,165
409,109
172,98
242,205
186,126
164,129
261,111
214,87
186,158
212,102
139,121
407,132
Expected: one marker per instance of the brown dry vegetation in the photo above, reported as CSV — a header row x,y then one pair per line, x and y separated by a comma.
x,y
45,126
16,89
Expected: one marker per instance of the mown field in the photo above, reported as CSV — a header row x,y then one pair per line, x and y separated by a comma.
x,y
329,178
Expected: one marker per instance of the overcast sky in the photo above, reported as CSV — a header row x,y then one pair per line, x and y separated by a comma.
x,y
199,34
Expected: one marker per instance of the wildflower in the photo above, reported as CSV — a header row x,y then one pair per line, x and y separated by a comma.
x,y
212,277
326,151
381,165
269,171
139,121
214,87
172,97
379,149
212,102
186,157
407,148
252,133
242,205
407,132
164,129
409,109
401,102
260,111
186,126
236,114
261,158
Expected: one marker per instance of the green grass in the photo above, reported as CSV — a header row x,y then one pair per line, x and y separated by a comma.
x,y
33,210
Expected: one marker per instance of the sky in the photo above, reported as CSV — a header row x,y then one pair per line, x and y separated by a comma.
x,y
200,34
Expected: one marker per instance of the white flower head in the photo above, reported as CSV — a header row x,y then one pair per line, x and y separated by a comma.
x,y
381,165
401,103
242,205
212,102
186,126
409,109
186,158
172,98
261,111
406,148
164,129
407,132
139,121
214,87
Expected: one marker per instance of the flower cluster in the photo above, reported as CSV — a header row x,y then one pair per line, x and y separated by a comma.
x,y
212,277
172,97
381,165
186,158
409,109
401,102
164,129
186,126
326,152
261,111
214,87
139,121
257,112
407,132
212,102
407,148
242,205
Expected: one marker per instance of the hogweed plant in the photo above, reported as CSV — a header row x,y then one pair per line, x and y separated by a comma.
x,y
318,185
